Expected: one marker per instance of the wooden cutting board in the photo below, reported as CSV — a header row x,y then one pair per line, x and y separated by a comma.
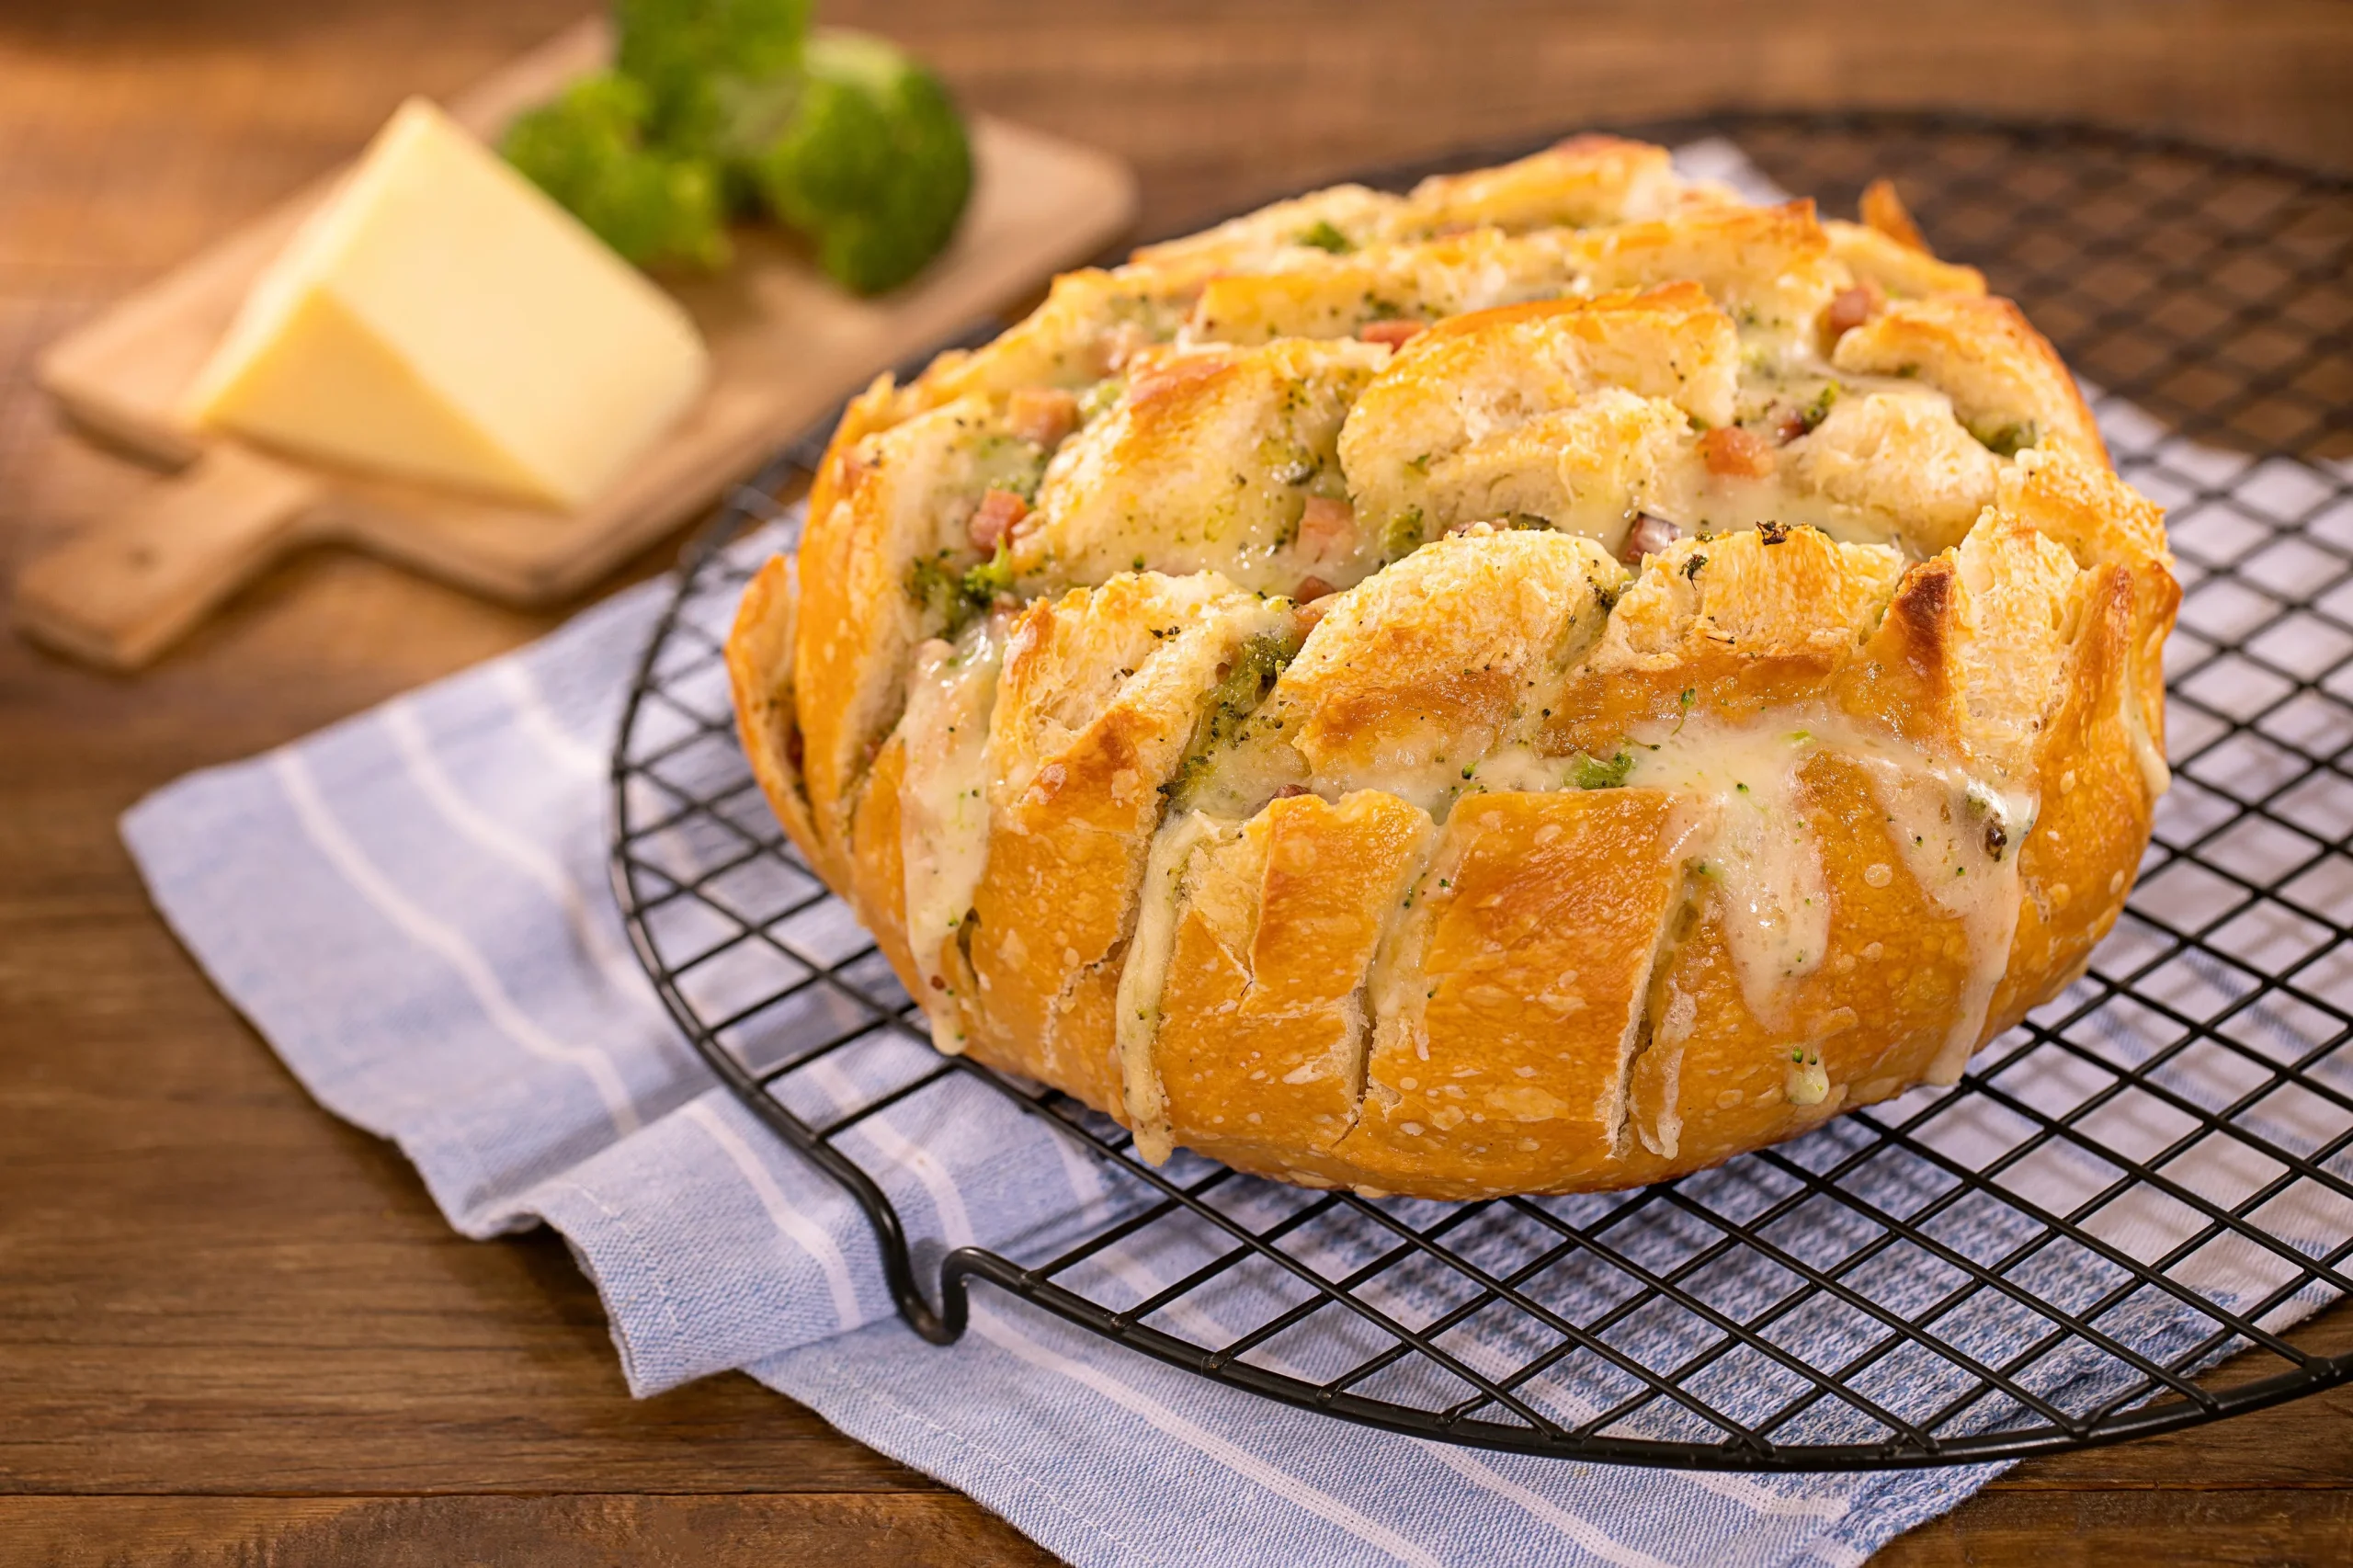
x,y
786,345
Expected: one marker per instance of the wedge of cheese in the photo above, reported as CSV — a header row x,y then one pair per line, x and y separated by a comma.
x,y
439,318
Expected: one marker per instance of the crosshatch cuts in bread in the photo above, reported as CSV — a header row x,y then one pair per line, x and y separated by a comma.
x,y
1539,683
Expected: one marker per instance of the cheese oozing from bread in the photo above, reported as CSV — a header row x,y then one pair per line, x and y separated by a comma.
x,y
1539,682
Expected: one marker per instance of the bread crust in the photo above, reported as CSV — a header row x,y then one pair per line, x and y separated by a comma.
x,y
1348,809
2005,379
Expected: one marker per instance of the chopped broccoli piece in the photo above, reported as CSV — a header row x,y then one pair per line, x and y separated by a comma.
x,y
1008,463
938,589
1324,235
983,583
1591,774
1241,687
950,599
866,159
1814,412
2007,440
696,56
588,150
1402,535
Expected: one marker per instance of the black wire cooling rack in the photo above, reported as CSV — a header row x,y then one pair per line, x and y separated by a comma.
x,y
2151,1175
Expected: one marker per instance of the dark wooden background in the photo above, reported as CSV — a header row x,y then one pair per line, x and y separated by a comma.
x,y
232,1329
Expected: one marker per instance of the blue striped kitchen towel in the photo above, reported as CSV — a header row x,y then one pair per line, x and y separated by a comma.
x,y
411,908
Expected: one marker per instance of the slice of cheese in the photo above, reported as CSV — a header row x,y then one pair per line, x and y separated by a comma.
x,y
439,318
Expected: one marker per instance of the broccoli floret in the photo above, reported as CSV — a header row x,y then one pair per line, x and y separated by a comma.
x,y
588,150
2007,440
866,157
1592,773
1324,235
697,57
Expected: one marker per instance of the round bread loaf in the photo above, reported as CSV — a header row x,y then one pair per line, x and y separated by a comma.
x,y
1540,684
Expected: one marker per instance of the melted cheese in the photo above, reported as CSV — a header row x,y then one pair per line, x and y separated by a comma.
x,y
1946,827
943,805
1959,838
1741,825
1738,786
1670,1029
1145,974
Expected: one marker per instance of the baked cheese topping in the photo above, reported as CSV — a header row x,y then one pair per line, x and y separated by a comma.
x,y
1955,835
1567,478
1145,971
943,811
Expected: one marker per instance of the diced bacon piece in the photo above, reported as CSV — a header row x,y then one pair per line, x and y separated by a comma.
x,y
1851,308
1043,414
994,519
1735,453
1647,537
1310,590
1395,334
1290,791
1327,526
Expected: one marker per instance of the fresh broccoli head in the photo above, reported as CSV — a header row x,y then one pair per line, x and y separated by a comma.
x,y
695,56
588,149
727,106
867,158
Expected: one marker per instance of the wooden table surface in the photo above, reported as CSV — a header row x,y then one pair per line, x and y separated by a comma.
x,y
233,1328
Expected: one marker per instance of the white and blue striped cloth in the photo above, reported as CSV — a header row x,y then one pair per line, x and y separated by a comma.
x,y
411,908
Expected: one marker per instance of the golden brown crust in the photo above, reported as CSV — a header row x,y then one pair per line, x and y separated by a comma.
x,y
1502,864
1410,678
2007,384
1320,295
1100,696
1580,182
1883,212
1511,999
1767,267
1278,231
1599,391
1091,320
1260,1052
1901,271
1140,489
759,678
1717,1079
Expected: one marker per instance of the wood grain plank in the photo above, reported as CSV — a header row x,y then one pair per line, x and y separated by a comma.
x,y
848,1531
1219,101
2256,1527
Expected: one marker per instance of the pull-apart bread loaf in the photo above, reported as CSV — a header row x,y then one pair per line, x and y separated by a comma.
x,y
1539,683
